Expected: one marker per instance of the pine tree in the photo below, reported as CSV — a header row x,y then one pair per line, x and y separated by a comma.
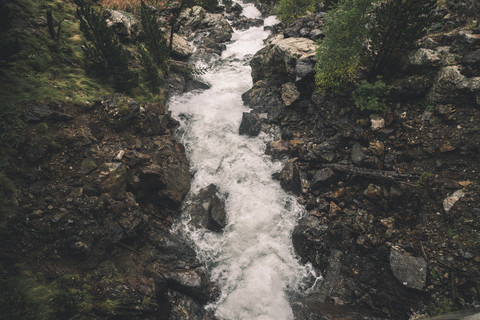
x,y
153,37
104,53
150,70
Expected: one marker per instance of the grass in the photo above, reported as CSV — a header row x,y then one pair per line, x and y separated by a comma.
x,y
131,5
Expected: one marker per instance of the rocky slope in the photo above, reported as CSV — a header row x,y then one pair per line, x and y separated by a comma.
x,y
392,198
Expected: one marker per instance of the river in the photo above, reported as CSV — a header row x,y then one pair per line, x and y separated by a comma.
x,y
252,261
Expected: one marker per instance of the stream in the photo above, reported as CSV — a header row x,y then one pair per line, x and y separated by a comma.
x,y
252,261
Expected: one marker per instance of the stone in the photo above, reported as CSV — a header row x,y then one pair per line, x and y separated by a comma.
x,y
422,58
124,24
357,154
280,57
114,180
290,94
303,69
207,209
410,271
290,177
277,149
377,121
87,166
322,177
373,192
450,201
451,86
181,48
250,124
35,112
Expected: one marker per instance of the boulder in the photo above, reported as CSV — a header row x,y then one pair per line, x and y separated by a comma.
x,y
322,177
451,86
123,24
264,98
409,270
290,94
423,58
290,178
35,112
181,48
113,180
250,124
280,56
207,209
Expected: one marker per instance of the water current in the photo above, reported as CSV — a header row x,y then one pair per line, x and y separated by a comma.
x,y
252,261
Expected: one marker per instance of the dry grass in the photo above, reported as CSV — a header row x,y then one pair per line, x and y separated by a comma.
x,y
131,5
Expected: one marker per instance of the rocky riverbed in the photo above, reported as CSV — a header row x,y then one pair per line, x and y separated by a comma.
x,y
393,198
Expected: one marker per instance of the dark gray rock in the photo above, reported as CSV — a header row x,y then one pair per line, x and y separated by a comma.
x,y
250,124
207,209
39,112
410,271
322,177
290,178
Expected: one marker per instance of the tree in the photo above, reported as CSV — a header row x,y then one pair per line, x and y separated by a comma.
x,y
342,51
289,10
104,53
153,37
397,25
150,69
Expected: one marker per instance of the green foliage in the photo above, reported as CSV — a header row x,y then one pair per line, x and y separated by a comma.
x,y
370,96
104,53
289,10
8,44
150,70
10,124
42,128
397,25
24,296
154,39
424,177
340,54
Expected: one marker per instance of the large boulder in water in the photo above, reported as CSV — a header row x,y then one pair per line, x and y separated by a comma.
x,y
280,58
208,209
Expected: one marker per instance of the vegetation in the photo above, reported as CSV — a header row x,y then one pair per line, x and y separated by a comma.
x,y
154,39
397,25
289,10
340,54
104,54
370,96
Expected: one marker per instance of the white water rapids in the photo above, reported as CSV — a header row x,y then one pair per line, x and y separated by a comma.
x,y
252,261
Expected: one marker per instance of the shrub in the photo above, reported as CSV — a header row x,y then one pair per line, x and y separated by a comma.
x,y
289,10
10,124
8,45
340,54
397,25
104,53
154,38
370,96
150,70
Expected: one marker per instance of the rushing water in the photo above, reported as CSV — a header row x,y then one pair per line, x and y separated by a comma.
x,y
252,261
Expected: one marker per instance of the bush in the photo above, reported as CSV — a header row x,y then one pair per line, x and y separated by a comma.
x,y
289,10
340,54
104,53
8,45
154,38
370,96
397,25
150,70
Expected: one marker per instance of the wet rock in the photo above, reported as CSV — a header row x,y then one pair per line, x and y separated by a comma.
x,y
410,271
264,98
290,94
191,282
207,209
123,24
183,307
290,178
277,149
250,124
